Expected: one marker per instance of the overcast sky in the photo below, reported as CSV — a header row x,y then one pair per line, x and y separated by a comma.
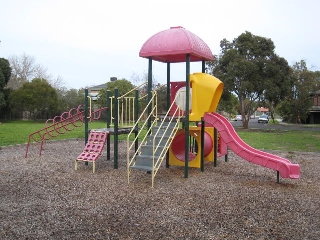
x,y
87,42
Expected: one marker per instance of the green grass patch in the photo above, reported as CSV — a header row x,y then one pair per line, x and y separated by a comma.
x,y
303,141
17,132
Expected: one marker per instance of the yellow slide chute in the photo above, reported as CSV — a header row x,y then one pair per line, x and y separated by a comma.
x,y
206,93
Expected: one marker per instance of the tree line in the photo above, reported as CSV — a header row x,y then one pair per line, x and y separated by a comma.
x,y
258,77
27,91
253,75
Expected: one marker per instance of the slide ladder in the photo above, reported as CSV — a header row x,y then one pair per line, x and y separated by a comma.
x,y
153,152
93,149
155,144
238,146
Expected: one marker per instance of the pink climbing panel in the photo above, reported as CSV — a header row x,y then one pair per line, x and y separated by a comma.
x,y
94,147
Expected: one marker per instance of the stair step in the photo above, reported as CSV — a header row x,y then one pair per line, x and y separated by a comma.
x,y
166,131
158,140
145,160
148,150
167,119
144,168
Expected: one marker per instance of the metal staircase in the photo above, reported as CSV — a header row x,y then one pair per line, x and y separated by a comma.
x,y
155,143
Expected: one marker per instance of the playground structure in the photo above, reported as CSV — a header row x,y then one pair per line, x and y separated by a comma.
x,y
192,101
190,133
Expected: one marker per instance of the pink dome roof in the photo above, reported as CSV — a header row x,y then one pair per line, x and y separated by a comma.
x,y
173,44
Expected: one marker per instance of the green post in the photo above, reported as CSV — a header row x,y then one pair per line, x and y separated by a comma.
x,y
168,104
203,66
168,86
86,121
186,154
215,143
136,116
202,146
149,90
108,122
116,126
226,156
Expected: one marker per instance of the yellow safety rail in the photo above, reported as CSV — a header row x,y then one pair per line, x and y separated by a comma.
x,y
156,163
129,147
126,108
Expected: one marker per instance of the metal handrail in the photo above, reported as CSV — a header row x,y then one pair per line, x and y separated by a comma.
x,y
126,104
133,90
129,147
155,163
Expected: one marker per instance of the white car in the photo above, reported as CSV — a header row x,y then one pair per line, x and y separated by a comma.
x,y
263,119
238,118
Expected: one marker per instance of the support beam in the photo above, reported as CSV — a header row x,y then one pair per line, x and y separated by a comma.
x,y
215,147
149,90
86,120
202,145
186,125
108,122
168,103
136,116
116,129
203,66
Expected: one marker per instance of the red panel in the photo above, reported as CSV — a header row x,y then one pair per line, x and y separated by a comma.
x,y
174,87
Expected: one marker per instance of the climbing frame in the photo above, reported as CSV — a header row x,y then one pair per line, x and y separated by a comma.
x,y
93,149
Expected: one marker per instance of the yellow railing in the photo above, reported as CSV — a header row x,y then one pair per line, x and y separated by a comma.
x,y
156,161
126,108
129,147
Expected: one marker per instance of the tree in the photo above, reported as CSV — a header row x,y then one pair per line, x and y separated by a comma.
x,y
5,73
37,97
228,102
305,83
123,86
277,83
24,69
68,99
73,98
245,66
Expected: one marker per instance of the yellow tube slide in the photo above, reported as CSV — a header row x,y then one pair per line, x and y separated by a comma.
x,y
206,93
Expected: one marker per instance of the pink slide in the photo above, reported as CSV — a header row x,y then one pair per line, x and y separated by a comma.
x,y
239,147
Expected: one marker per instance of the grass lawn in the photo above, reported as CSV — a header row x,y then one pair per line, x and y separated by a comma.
x,y
17,132
302,141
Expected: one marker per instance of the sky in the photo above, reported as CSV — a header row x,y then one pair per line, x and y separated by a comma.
x,y
87,42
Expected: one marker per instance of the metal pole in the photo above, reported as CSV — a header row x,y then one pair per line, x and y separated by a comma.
x,y
168,104
86,122
108,122
136,116
186,127
215,147
115,137
226,156
168,86
202,146
149,90
203,66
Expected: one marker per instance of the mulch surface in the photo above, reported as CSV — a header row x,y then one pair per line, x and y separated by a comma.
x,y
43,197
